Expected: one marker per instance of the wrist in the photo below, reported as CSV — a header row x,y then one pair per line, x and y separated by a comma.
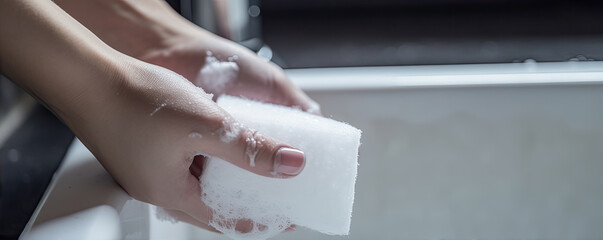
x,y
135,28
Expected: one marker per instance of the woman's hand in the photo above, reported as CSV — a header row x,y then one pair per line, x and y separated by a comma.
x,y
151,31
222,67
147,125
149,135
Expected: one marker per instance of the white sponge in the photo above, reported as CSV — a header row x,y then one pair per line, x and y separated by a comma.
x,y
320,197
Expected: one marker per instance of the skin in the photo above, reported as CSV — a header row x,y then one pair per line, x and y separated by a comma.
x,y
151,31
134,116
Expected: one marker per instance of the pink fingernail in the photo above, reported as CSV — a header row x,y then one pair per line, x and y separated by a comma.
x,y
289,161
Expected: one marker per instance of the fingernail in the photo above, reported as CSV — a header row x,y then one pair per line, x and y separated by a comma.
x,y
289,161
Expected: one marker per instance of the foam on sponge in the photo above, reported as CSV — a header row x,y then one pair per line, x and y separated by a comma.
x,y
319,198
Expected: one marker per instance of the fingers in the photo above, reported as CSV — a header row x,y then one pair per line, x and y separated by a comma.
x,y
265,81
254,152
248,149
291,95
299,98
191,203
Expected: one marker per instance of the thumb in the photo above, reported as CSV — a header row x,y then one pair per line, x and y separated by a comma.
x,y
254,152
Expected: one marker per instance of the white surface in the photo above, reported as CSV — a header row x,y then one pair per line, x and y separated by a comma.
x,y
101,222
480,160
320,197
515,74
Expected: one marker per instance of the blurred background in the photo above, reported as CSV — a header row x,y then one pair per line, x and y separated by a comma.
x,y
315,33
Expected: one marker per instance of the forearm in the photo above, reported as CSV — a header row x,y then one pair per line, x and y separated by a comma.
x,y
134,28
53,57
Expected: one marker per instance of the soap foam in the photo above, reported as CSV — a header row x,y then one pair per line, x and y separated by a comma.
x,y
254,143
320,197
230,130
215,75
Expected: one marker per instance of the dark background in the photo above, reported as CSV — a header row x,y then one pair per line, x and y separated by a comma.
x,y
315,33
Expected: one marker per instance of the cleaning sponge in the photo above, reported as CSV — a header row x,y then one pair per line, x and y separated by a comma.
x,y
319,198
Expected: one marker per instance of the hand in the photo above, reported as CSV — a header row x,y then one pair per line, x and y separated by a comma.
x,y
151,31
242,72
154,130
144,123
